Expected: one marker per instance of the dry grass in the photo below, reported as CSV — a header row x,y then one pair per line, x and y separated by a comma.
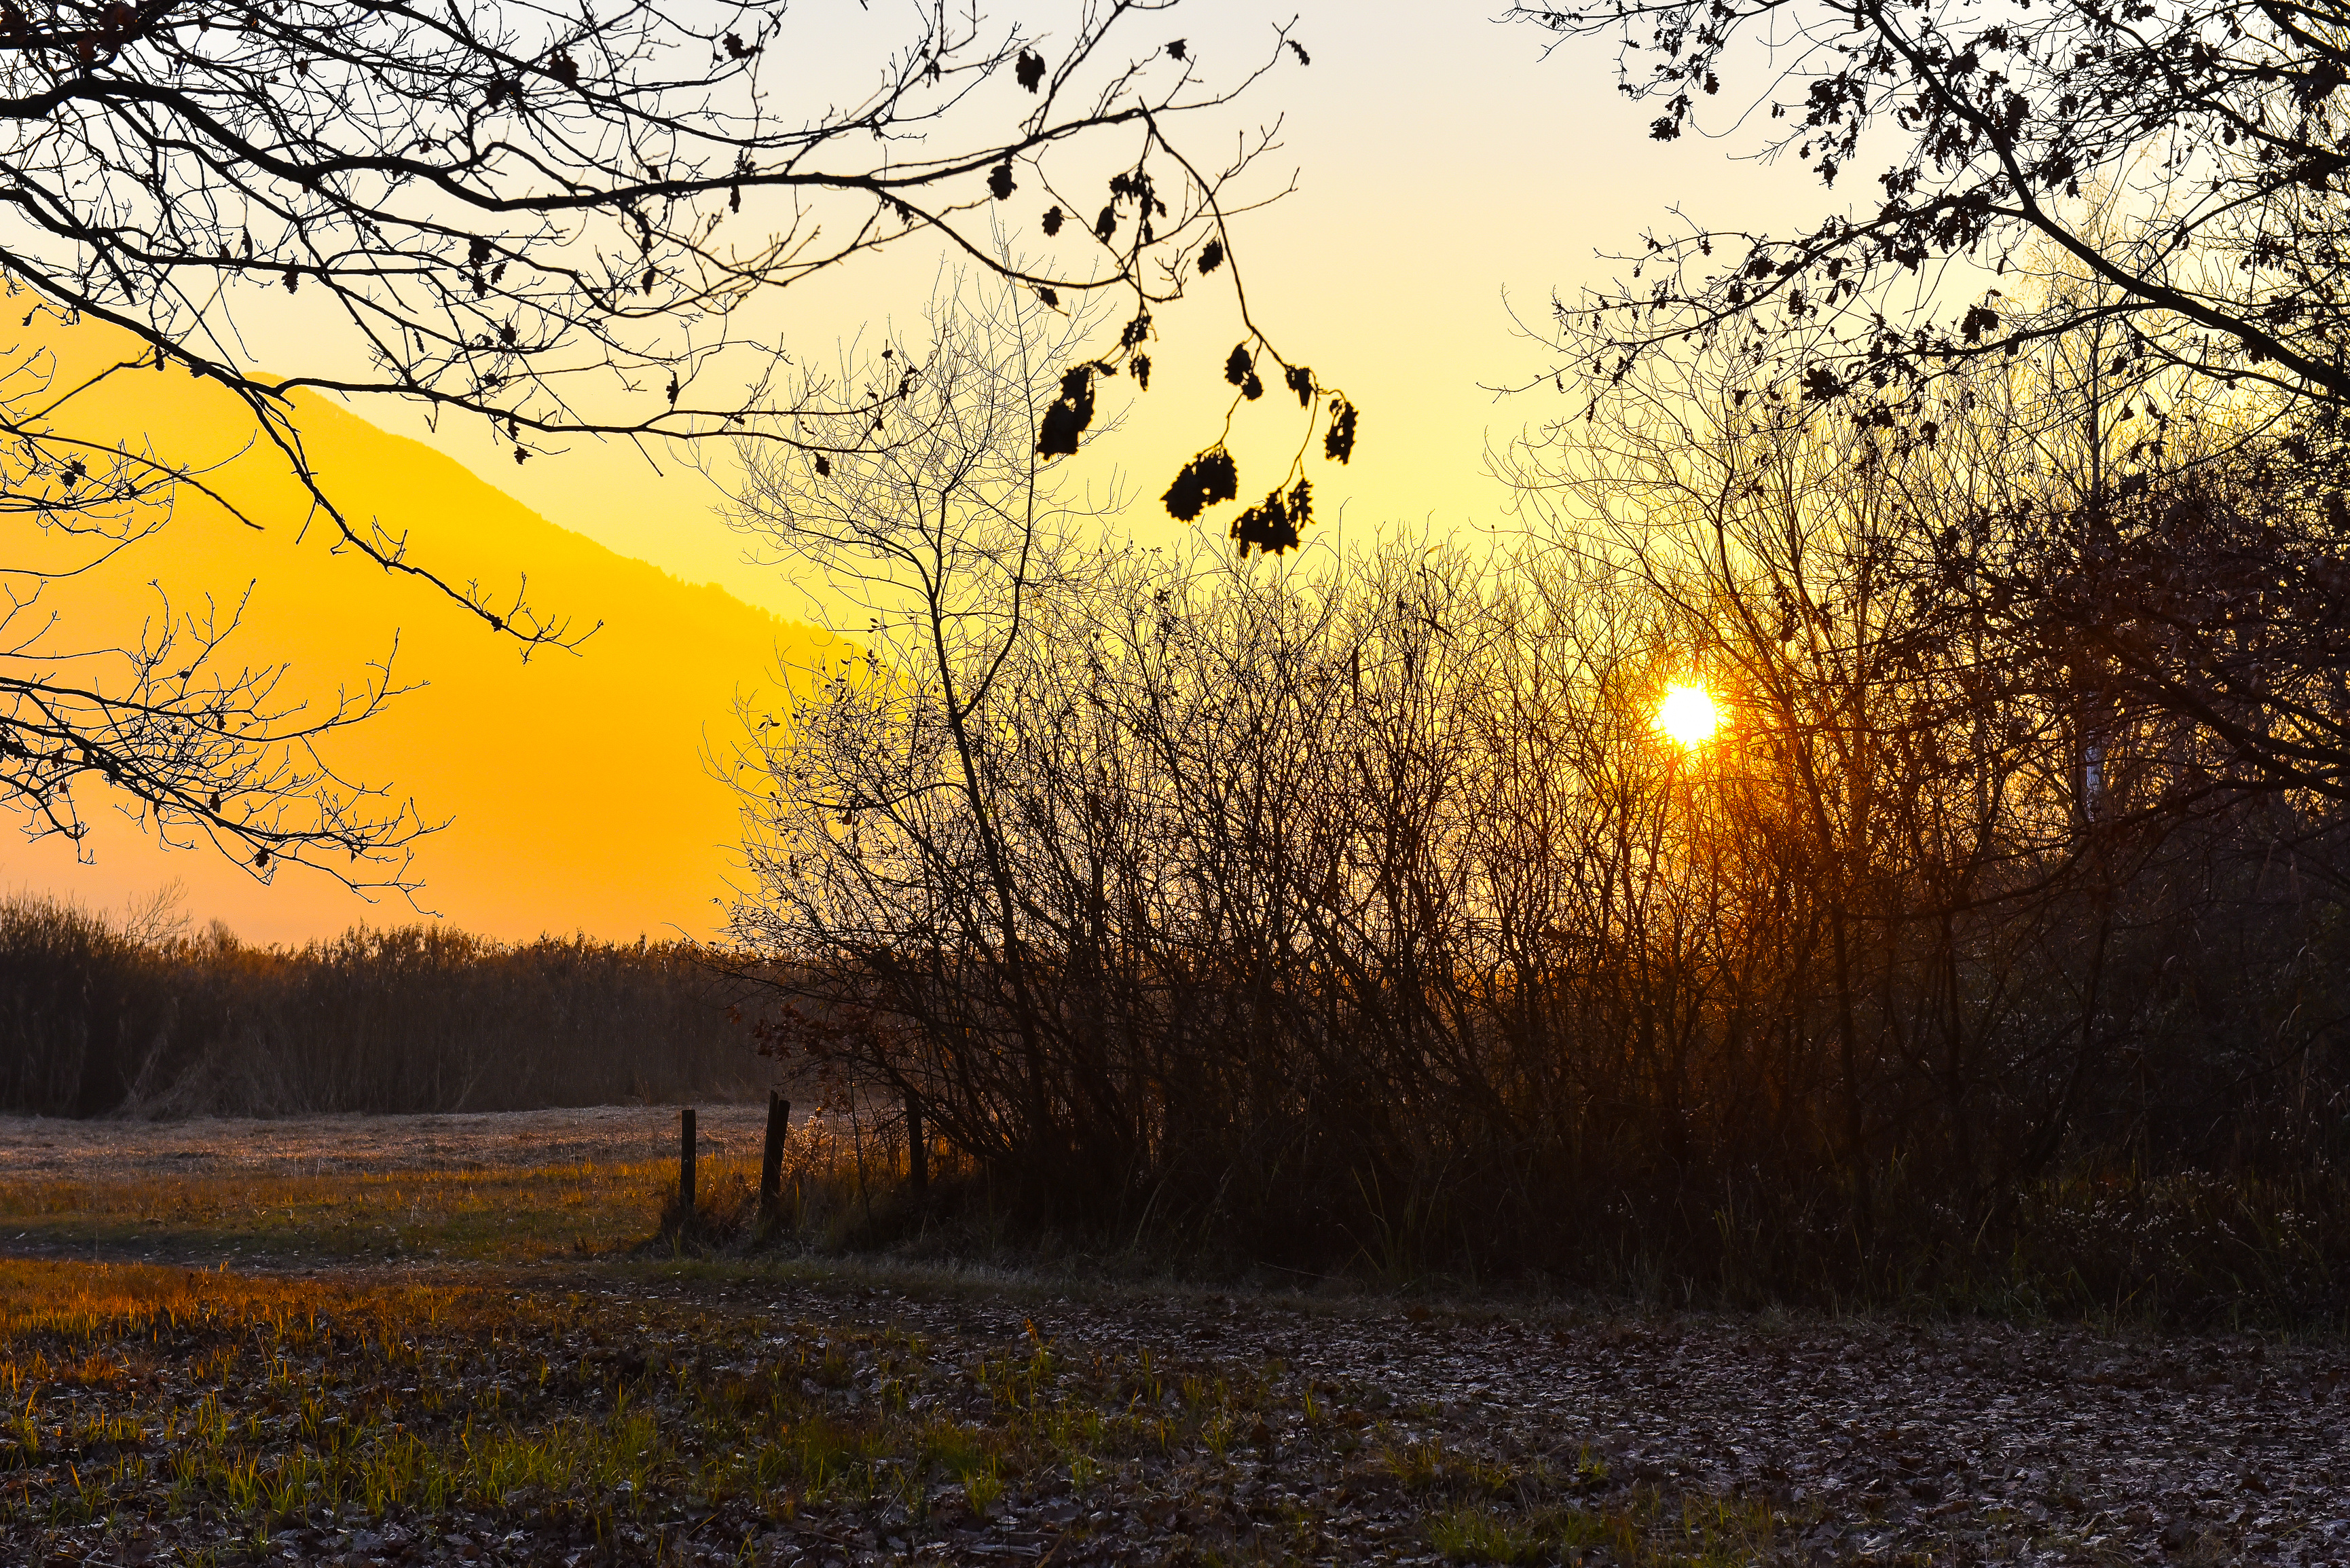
x,y
40,1149
490,1216
373,1189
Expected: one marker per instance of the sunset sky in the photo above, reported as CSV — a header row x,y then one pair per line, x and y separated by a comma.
x,y
1446,173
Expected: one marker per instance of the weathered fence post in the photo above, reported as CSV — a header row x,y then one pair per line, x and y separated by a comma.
x,y
771,1159
685,1166
918,1147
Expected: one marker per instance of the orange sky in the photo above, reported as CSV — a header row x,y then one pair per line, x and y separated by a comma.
x,y
576,781
1440,163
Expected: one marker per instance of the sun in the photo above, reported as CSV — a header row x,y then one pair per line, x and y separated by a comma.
x,y
1688,715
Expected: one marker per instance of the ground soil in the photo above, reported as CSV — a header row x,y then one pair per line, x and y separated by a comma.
x,y
1127,1424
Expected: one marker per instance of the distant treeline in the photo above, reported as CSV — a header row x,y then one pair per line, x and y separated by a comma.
x,y
97,1020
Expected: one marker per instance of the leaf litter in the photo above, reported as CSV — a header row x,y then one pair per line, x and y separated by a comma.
x,y
797,1414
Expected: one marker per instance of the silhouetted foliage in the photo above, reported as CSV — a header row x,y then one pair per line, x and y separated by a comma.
x,y
1272,525
1066,419
1338,442
1205,480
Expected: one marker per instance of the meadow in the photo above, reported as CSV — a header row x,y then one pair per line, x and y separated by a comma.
x,y
516,1187
497,1362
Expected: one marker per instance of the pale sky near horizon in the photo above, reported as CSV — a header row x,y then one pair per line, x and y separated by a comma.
x,y
1445,172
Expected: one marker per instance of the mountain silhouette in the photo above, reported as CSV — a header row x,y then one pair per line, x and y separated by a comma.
x,y
576,783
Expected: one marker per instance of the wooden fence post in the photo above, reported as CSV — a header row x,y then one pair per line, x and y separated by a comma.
x,y
918,1147
685,1165
771,1159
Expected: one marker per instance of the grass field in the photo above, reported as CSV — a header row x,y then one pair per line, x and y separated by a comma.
x,y
510,1188
248,1364
509,1216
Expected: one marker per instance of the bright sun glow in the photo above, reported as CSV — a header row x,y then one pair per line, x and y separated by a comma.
x,y
1688,715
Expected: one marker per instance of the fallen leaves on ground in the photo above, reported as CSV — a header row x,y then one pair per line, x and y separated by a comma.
x,y
741,1415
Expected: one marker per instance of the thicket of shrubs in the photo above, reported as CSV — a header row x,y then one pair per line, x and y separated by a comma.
x,y
97,1020
1353,914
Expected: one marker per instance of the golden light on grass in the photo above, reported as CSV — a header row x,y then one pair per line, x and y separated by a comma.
x,y
1688,716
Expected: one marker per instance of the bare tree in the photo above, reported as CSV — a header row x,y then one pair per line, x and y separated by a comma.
x,y
941,520
545,220
1359,914
2186,156
2145,199
198,745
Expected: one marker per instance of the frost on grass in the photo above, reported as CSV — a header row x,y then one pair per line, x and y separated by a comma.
x,y
532,1417
40,1149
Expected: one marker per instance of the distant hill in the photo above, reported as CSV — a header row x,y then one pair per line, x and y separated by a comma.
x,y
577,781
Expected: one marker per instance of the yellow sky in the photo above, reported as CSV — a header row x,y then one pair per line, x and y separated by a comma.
x,y
1440,163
